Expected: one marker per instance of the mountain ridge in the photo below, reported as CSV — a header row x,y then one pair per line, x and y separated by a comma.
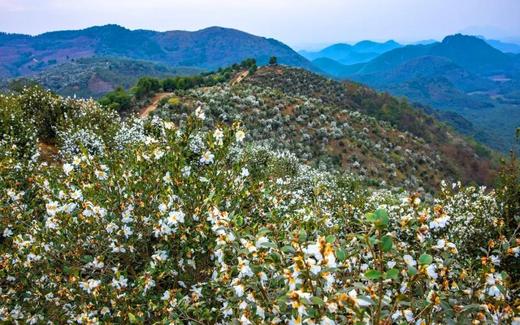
x,y
208,48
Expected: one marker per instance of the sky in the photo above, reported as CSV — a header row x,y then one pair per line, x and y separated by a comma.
x,y
299,23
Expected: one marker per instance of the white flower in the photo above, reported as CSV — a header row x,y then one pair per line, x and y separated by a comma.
x,y
158,153
167,178
240,135
67,168
186,171
52,208
127,231
207,158
218,135
245,172
199,113
327,321
160,256
441,243
409,260
89,285
175,217
439,223
239,290
166,295
120,283
360,302
7,232
244,320
431,270
408,314
101,174
313,250
261,241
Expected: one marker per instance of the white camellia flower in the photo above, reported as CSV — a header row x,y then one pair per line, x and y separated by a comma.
x,y
431,270
207,158
239,290
409,260
199,113
240,136
67,168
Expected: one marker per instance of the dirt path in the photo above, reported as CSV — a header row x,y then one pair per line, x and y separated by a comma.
x,y
240,77
145,111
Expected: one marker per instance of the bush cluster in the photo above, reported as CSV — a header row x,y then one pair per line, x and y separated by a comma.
x,y
185,223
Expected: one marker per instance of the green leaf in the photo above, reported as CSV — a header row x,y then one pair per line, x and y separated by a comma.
x,y
317,301
269,244
288,249
379,218
412,271
372,274
425,259
303,236
371,217
132,318
341,254
386,243
382,217
330,239
392,274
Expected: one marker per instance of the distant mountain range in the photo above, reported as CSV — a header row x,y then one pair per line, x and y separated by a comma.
x,y
462,74
210,48
467,78
351,54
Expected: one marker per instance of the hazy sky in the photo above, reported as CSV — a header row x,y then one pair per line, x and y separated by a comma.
x,y
297,22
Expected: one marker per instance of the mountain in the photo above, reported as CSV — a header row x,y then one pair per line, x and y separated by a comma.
x,y
209,48
351,54
469,52
504,46
94,77
461,74
338,124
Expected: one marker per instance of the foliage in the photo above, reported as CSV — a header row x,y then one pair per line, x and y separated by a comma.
x,y
181,222
118,99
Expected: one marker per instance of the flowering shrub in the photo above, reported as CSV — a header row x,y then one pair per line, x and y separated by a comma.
x,y
191,224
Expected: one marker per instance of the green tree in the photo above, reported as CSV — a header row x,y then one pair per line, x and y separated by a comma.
x,y
273,60
118,100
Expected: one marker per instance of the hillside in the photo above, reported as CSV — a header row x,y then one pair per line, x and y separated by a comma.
x,y
363,51
189,220
345,125
209,48
94,77
461,74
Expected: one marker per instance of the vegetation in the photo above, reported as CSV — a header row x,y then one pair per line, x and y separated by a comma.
x,y
154,221
94,77
146,87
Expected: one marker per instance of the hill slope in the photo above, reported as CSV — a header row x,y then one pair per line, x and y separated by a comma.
x,y
461,74
94,77
209,48
339,124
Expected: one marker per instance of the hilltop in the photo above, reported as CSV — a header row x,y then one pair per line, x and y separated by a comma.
x,y
339,124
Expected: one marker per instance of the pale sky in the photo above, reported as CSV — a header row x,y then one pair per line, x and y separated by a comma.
x,y
299,23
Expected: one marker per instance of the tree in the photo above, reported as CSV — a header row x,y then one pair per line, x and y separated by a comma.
x,y
118,99
146,86
273,60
